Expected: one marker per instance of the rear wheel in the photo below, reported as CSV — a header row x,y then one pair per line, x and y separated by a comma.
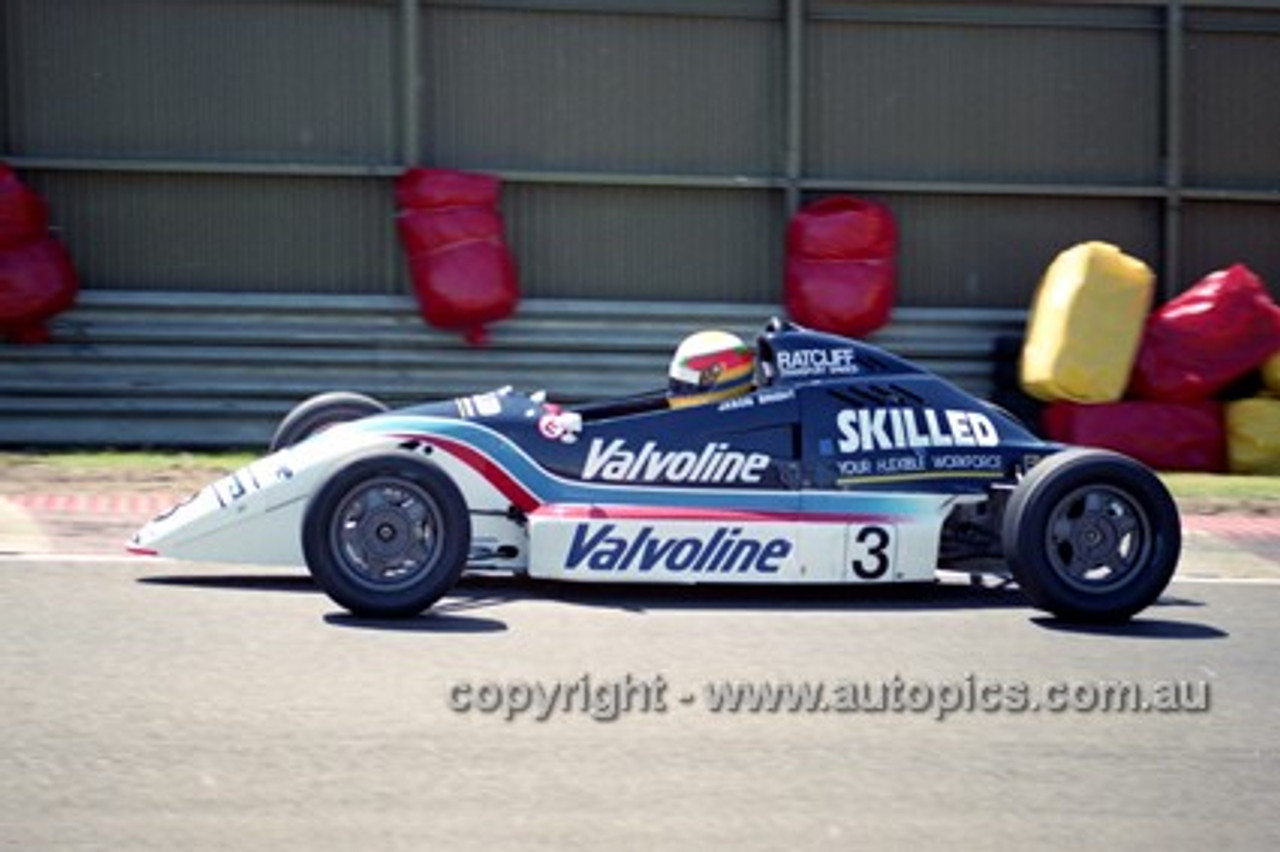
x,y
312,416
387,535
1091,535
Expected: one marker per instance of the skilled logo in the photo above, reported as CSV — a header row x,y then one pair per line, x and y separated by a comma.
x,y
615,461
871,429
724,550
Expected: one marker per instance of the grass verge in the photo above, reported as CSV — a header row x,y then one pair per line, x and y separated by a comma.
x,y
1225,487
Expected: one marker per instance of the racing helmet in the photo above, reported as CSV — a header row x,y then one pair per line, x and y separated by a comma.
x,y
709,366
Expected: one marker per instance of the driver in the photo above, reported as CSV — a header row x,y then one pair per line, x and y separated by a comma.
x,y
709,366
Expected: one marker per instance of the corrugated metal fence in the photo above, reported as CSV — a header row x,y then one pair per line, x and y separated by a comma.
x,y
652,149
220,370
205,369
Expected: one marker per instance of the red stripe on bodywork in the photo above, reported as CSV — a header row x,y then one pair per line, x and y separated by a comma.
x,y
490,470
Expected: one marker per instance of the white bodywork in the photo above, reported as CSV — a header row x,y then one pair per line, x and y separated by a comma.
x,y
613,544
256,516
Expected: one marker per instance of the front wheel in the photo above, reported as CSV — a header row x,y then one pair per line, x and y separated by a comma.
x,y
387,535
1091,536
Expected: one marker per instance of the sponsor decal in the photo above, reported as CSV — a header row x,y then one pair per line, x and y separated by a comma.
x,y
866,430
899,464
255,477
951,462
956,461
796,363
1030,460
722,550
557,425
716,463
480,405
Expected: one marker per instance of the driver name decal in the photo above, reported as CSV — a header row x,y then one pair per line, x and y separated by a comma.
x,y
871,429
615,461
725,550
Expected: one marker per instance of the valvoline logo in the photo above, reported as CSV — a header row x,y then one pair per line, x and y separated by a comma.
x,y
722,549
715,463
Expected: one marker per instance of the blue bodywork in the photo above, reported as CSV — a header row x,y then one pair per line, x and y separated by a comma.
x,y
827,414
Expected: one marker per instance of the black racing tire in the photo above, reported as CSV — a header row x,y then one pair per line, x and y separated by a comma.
x,y
1091,536
312,416
387,535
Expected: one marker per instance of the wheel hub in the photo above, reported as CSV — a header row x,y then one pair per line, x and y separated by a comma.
x,y
386,532
1097,537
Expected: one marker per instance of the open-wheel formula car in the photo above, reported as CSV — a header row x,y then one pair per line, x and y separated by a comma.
x,y
842,464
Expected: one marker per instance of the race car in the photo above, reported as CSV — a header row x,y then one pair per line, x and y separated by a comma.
x,y
832,462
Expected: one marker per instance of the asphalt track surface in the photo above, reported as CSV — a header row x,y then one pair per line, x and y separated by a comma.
x,y
156,705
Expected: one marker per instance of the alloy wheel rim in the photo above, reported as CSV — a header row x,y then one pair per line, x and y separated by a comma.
x,y
1098,538
386,533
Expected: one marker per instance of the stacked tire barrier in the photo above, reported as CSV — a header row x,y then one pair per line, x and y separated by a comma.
x,y
1211,336
1253,434
37,279
1086,324
1189,386
842,270
462,270
1164,435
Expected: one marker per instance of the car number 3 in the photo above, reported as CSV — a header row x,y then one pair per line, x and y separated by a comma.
x,y
870,551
